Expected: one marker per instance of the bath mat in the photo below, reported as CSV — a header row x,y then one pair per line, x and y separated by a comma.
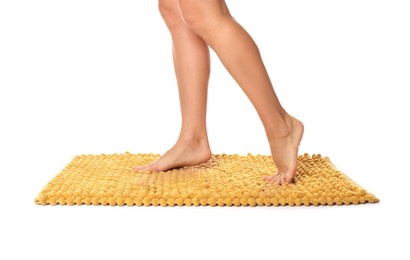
x,y
225,180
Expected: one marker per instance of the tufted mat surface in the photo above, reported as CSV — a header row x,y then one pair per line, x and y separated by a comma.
x,y
225,180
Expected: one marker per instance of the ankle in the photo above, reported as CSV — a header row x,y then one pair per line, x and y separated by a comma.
x,y
193,139
282,128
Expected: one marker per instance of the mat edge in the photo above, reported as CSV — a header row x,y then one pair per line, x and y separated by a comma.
x,y
348,178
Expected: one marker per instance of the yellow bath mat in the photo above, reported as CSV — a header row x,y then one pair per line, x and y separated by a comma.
x,y
225,180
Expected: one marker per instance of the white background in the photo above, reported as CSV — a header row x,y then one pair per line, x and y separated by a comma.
x,y
80,77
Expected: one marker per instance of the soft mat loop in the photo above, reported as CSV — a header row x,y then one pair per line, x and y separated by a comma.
x,y
225,180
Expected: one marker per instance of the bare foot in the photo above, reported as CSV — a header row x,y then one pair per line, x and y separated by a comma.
x,y
285,152
183,153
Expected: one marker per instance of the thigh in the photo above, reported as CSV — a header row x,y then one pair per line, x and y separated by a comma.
x,y
168,7
171,14
203,8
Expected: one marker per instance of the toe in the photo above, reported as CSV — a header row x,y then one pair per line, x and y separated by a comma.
x,y
268,178
271,179
288,178
136,168
141,168
280,179
156,169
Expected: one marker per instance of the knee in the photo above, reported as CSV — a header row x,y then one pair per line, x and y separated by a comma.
x,y
199,19
169,12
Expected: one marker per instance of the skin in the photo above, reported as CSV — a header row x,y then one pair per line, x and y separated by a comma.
x,y
196,26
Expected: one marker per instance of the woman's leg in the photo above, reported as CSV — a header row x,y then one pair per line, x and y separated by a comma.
x,y
192,69
241,57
